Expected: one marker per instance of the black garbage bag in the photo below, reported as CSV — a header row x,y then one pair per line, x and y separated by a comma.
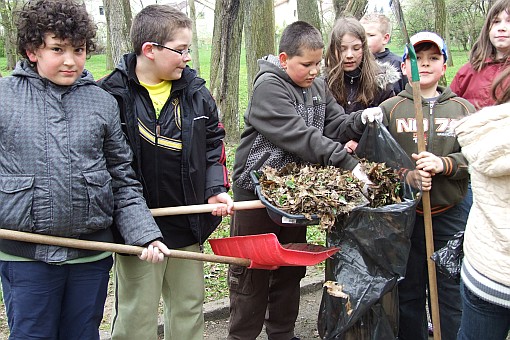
x,y
449,258
374,247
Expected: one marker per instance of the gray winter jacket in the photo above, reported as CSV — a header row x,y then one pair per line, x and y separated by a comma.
x,y
65,167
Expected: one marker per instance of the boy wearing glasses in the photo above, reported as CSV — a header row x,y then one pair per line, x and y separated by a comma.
x,y
172,125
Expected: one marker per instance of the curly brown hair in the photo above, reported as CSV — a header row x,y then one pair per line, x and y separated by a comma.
x,y
65,19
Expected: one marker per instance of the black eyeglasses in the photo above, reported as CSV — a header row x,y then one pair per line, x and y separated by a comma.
x,y
184,53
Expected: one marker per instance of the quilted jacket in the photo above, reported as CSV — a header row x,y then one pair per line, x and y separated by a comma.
x,y
485,141
65,166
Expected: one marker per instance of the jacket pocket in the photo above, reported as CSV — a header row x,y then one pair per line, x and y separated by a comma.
x,y
100,199
16,195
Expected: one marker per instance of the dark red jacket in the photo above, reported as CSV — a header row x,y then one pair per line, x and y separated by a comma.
x,y
476,86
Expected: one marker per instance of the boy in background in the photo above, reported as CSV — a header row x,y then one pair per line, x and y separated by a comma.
x,y
378,30
444,173
172,125
65,170
293,117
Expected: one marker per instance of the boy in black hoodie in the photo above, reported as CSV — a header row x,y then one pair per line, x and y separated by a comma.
x,y
378,30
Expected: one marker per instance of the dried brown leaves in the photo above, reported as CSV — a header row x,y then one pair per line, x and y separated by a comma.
x,y
387,184
327,191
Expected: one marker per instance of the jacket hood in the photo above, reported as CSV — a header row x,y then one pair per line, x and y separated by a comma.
x,y
25,69
445,93
271,64
388,74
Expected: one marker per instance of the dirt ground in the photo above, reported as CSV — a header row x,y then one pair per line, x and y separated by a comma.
x,y
306,325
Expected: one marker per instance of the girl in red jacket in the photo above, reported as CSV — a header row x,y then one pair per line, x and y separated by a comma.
x,y
488,57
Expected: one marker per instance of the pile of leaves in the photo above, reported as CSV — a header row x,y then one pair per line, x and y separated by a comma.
x,y
387,184
329,191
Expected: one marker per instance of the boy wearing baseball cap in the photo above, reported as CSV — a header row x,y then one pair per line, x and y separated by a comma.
x,y
444,174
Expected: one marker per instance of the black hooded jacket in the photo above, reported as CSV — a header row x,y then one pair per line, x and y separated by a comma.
x,y
174,171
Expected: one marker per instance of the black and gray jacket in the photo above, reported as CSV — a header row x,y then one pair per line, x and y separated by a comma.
x,y
385,79
389,57
65,167
292,124
173,171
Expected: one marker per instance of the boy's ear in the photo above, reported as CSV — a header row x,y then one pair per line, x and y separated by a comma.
x,y
386,38
148,50
444,69
404,69
31,56
283,57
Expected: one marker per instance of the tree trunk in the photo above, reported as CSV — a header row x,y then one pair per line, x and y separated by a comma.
x,y
440,28
215,50
228,94
259,35
194,39
309,11
339,6
118,37
7,10
357,8
128,16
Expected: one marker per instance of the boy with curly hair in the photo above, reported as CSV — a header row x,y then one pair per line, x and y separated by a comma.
x,y
65,170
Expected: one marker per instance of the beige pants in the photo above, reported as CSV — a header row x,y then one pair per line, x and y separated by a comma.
x,y
138,288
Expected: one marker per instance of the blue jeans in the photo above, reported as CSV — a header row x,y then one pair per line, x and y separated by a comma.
x,y
46,301
482,319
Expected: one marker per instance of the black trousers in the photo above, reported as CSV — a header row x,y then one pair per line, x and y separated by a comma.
x,y
412,289
264,297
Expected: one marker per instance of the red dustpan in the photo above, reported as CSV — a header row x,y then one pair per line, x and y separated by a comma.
x,y
265,252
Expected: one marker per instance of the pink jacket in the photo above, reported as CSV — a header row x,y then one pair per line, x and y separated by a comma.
x,y
476,86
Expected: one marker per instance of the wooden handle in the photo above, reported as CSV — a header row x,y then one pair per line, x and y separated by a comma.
x,y
115,247
204,208
427,218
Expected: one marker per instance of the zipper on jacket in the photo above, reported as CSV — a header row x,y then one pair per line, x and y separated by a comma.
x,y
158,130
431,124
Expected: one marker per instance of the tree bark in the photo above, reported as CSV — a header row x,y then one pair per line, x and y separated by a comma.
x,y
259,35
194,39
128,16
118,31
215,50
7,10
228,94
309,11
357,8
339,6
440,28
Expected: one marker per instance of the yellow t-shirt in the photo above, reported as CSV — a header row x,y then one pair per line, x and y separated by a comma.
x,y
159,94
